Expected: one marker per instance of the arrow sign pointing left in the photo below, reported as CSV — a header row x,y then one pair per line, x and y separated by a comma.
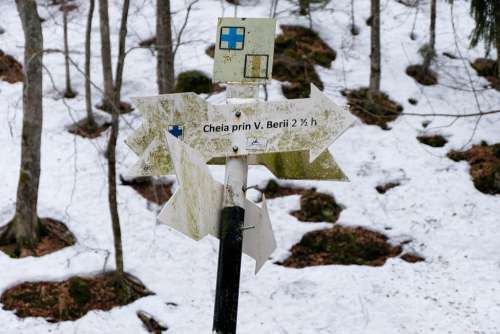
x,y
310,124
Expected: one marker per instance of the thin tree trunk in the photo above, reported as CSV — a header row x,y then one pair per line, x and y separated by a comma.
x,y
375,71
24,228
112,197
107,66
69,91
431,49
497,35
91,124
165,58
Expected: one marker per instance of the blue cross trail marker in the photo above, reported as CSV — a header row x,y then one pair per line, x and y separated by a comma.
x,y
234,38
176,131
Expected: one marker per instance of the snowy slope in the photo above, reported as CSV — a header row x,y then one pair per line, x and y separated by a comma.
x,y
450,223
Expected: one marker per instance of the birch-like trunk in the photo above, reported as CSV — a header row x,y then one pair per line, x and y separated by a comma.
x,y
112,196
24,229
165,58
375,71
107,66
431,49
91,124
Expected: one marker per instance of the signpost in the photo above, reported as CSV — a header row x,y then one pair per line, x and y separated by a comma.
x,y
181,133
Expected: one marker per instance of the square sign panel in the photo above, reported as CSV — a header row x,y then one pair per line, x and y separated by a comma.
x,y
244,50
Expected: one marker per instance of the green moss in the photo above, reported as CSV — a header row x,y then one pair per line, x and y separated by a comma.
x,y
193,81
318,207
80,290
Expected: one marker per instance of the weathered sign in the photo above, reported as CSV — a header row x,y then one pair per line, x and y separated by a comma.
x,y
242,129
195,208
244,50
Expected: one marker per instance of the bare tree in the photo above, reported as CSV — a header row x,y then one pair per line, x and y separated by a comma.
x,y
165,57
24,229
354,28
107,66
91,124
429,51
69,93
375,71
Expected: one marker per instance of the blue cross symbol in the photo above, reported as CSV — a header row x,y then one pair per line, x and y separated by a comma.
x,y
175,130
233,36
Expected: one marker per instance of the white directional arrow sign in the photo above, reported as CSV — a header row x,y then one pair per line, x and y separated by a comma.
x,y
227,130
196,206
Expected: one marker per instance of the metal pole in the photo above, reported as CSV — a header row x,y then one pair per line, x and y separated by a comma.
x,y
231,242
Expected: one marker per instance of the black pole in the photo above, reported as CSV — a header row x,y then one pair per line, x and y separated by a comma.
x,y
228,272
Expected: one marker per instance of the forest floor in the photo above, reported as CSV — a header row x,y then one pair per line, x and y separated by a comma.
x,y
434,212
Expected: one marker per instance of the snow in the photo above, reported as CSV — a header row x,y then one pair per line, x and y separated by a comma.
x,y
450,223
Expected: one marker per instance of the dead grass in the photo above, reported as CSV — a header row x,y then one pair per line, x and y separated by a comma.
x,y
378,111
423,77
54,236
154,190
341,245
73,298
11,70
487,68
484,163
317,207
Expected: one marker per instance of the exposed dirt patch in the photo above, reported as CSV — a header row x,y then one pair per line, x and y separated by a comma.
x,y
125,108
151,324
317,207
10,69
54,236
383,188
433,140
341,245
488,69
73,298
83,129
412,258
156,190
210,50
378,111
484,163
273,190
423,77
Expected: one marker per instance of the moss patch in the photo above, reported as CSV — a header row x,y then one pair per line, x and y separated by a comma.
x,y
155,190
488,69
11,70
197,82
484,163
378,111
432,140
317,207
54,236
423,77
273,190
70,299
341,245
383,188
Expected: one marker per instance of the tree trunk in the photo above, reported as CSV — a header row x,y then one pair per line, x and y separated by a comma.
x,y
165,58
113,205
69,91
24,228
431,49
497,35
107,66
304,7
375,71
91,124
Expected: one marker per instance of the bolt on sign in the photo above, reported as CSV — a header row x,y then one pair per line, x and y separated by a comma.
x,y
244,50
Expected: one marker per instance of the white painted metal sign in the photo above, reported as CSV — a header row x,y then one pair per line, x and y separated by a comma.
x,y
230,130
244,50
195,208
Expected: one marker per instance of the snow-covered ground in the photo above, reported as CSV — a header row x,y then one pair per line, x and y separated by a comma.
x,y
455,227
